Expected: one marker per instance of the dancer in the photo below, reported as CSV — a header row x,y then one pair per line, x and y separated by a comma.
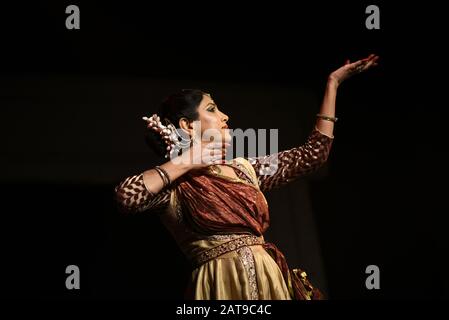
x,y
215,208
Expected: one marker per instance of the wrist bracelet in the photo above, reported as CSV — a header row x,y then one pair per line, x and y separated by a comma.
x,y
324,117
164,175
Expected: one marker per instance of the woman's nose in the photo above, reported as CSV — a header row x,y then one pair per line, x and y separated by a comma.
x,y
225,118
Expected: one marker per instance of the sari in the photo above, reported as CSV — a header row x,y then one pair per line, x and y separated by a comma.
x,y
240,260
218,222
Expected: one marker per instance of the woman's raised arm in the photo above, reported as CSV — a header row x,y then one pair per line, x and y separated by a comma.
x,y
280,168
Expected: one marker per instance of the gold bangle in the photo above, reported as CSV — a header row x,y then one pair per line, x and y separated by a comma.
x,y
164,175
324,117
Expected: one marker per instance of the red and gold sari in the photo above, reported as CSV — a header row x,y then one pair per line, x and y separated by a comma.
x,y
219,223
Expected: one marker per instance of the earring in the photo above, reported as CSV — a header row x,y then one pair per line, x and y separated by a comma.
x,y
193,140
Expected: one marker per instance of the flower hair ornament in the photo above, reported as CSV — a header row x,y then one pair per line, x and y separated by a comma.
x,y
171,136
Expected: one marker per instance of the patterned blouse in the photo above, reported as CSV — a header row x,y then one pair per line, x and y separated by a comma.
x,y
132,195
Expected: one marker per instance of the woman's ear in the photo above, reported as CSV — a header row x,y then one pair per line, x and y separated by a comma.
x,y
185,124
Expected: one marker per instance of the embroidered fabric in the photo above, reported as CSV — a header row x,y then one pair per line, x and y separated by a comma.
x,y
247,259
226,247
278,169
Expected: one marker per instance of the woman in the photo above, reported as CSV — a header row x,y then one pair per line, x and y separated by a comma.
x,y
215,209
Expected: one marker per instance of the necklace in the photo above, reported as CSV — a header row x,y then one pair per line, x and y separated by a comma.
x,y
215,169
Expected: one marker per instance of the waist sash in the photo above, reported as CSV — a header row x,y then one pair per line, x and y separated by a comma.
x,y
231,245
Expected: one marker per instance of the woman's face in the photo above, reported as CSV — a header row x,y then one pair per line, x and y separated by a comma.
x,y
212,120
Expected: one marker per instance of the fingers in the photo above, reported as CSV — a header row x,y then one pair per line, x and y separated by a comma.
x,y
356,67
213,152
218,145
369,64
372,61
358,63
218,159
370,57
364,64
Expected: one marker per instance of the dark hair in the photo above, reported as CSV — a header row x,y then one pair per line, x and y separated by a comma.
x,y
179,105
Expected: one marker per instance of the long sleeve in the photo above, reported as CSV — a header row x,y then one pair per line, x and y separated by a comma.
x,y
132,196
283,167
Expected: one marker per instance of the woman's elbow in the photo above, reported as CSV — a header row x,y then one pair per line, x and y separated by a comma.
x,y
124,201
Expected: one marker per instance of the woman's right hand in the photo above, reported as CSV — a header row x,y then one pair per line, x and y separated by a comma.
x,y
204,154
199,155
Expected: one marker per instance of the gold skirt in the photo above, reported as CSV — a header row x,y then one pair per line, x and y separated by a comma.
x,y
248,273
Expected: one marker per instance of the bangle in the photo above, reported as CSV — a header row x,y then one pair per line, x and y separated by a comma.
x,y
161,175
322,116
164,175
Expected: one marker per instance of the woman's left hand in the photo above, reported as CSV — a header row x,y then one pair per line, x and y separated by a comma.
x,y
350,69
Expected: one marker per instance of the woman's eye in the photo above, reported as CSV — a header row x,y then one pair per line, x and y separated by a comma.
x,y
212,109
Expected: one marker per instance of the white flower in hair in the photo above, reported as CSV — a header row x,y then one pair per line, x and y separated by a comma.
x,y
169,134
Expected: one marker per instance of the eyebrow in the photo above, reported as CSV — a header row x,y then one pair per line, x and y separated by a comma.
x,y
211,104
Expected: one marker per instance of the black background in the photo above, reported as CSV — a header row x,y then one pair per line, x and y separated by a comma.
x,y
71,102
